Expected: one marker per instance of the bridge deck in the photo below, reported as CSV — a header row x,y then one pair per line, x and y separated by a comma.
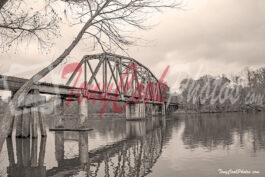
x,y
11,83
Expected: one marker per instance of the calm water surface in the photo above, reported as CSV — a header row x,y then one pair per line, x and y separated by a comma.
x,y
182,145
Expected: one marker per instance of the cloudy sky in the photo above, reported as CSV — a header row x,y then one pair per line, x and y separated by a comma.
x,y
222,35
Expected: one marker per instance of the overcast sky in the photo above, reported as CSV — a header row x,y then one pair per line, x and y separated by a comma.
x,y
223,35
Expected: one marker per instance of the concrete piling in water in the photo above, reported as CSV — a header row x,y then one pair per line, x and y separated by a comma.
x,y
83,147
41,119
34,153
163,109
83,113
27,120
59,146
10,130
58,111
34,113
19,121
42,125
34,119
135,111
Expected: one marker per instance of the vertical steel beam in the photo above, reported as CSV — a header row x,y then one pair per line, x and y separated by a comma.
x,y
105,73
85,74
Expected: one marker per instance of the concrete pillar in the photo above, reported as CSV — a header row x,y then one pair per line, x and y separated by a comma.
x,y
42,151
34,153
164,122
41,118
26,123
42,125
34,123
19,120
134,111
139,110
10,131
127,111
10,151
34,113
154,109
83,113
59,146
58,111
19,151
163,109
26,152
83,147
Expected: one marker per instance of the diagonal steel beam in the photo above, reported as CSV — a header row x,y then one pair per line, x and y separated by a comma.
x,y
91,70
95,72
74,73
111,78
115,79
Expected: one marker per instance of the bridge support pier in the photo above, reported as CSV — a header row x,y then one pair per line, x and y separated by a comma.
x,y
27,120
42,123
19,120
163,109
58,111
83,148
26,123
158,109
155,109
10,131
34,119
83,113
135,111
59,146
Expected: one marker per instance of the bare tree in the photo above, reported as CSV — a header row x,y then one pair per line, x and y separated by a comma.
x,y
100,17
19,23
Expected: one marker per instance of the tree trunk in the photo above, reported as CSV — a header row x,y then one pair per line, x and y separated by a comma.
x,y
5,122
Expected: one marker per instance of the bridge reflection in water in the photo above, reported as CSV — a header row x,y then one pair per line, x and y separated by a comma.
x,y
134,155
28,164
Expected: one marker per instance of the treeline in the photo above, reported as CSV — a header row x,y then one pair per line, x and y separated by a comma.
x,y
244,92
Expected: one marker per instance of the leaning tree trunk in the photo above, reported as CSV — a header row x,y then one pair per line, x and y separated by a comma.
x,y
5,122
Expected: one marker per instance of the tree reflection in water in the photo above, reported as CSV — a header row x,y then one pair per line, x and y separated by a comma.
x,y
212,130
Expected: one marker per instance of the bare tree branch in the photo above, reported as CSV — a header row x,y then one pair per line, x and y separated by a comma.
x,y
19,23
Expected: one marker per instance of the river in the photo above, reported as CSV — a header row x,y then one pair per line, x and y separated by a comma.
x,y
205,145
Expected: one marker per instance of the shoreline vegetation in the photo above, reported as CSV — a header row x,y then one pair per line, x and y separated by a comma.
x,y
211,94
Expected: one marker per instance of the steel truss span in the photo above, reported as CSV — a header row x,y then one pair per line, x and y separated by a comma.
x,y
120,78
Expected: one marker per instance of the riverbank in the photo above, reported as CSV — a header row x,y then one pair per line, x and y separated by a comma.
x,y
246,108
